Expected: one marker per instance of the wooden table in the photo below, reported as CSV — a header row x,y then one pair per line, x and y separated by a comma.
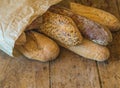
x,y
68,70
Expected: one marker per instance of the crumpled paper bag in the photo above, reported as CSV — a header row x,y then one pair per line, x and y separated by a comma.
x,y
15,16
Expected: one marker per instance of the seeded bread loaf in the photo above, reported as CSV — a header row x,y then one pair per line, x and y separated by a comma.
x,y
60,28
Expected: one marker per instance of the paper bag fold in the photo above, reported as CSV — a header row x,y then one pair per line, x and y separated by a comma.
x,y
15,16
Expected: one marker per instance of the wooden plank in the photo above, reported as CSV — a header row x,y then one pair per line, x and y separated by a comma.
x,y
110,70
23,73
42,74
73,71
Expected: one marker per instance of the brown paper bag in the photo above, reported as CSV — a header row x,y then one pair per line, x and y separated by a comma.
x,y
15,16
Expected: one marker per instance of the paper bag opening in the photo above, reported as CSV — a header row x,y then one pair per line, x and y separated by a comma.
x,y
15,16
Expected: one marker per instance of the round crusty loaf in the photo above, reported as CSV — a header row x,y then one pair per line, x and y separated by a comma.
x,y
39,47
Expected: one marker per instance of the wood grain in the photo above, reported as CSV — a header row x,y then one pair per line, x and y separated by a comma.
x,y
73,71
110,70
23,73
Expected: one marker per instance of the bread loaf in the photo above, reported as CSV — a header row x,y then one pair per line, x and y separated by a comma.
x,y
97,15
39,47
90,50
60,28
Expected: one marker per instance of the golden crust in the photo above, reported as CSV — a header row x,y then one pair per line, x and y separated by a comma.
x,y
21,40
97,15
60,28
90,50
39,47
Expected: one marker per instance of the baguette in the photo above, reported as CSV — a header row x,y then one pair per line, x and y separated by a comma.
x,y
89,29
60,28
39,47
97,15
90,50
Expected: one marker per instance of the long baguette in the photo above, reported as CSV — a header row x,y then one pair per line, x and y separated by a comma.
x,y
97,15
39,47
89,29
90,50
